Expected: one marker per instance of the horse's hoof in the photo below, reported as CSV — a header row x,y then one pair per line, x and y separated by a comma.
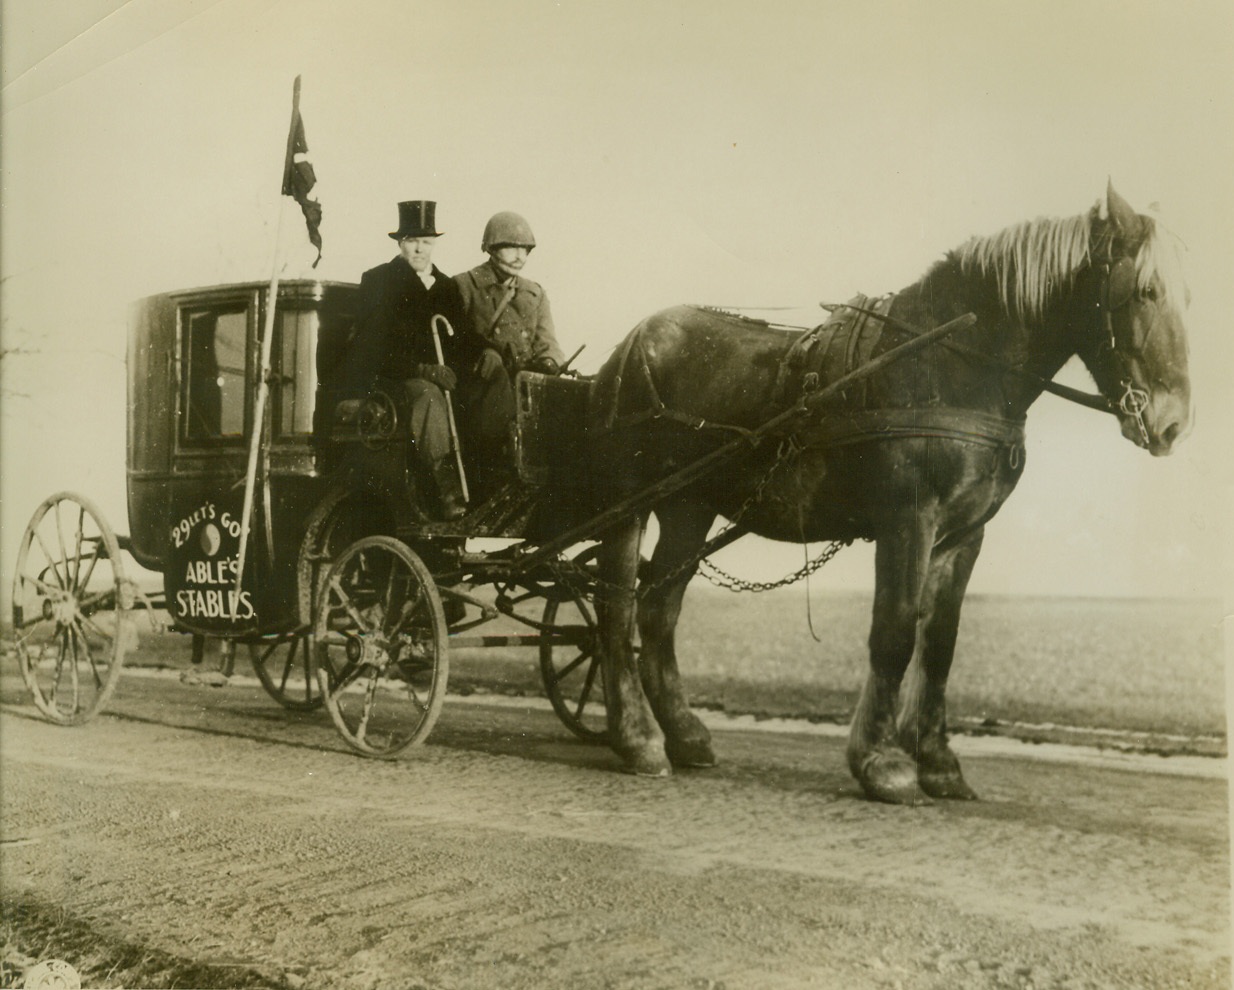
x,y
645,764
648,770
694,753
891,780
946,786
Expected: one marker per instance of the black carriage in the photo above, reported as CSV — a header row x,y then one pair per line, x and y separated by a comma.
x,y
307,539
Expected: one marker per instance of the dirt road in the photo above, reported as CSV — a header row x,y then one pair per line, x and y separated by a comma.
x,y
211,825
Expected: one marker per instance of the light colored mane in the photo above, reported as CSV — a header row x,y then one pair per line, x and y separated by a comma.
x,y
1035,261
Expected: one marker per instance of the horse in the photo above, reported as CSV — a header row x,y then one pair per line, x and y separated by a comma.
x,y
917,456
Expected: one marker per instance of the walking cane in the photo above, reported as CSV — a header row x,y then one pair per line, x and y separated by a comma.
x,y
458,450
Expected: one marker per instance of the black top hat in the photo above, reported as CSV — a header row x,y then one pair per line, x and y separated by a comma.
x,y
415,219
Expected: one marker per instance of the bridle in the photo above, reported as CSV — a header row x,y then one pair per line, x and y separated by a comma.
x,y
1117,289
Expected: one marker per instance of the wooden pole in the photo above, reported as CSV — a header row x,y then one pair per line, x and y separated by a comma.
x,y
263,384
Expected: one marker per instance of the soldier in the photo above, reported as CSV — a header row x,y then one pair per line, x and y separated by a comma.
x,y
393,347
510,320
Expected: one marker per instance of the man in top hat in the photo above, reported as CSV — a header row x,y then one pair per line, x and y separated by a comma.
x,y
509,318
393,347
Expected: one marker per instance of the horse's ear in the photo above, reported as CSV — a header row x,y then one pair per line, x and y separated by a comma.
x,y
1124,218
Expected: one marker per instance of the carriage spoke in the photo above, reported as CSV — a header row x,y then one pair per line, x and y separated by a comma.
x,y
51,562
79,634
370,692
89,601
75,674
52,591
290,662
97,629
344,679
81,525
64,556
584,696
563,672
94,559
345,602
408,610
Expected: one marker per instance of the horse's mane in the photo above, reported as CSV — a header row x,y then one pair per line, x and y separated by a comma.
x,y
1036,260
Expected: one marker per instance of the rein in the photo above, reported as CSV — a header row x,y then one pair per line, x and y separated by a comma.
x,y
1086,399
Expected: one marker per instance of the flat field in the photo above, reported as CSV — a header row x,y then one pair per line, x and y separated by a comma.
x,y
1133,665
1129,665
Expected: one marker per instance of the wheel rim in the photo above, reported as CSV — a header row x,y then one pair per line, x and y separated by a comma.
x,y
284,665
570,666
71,603
379,645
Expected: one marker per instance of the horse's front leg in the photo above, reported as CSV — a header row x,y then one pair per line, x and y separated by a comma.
x,y
923,714
875,758
632,728
683,530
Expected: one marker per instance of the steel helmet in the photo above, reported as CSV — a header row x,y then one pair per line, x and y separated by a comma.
x,y
507,228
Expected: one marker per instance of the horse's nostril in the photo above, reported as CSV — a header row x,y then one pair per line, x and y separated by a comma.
x,y
1171,432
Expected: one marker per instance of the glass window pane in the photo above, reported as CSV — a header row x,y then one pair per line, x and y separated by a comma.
x,y
214,353
298,378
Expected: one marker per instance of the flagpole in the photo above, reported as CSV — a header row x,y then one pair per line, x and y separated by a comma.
x,y
263,386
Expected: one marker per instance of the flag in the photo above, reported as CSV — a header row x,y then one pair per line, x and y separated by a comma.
x,y
298,175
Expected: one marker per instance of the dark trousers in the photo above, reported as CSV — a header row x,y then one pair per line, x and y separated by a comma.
x,y
424,404
487,408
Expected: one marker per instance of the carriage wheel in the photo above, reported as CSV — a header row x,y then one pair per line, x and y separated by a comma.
x,y
380,646
71,604
569,664
340,519
284,665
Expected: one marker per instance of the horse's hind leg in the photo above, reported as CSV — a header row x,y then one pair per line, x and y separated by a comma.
x,y
923,715
683,529
632,728
875,756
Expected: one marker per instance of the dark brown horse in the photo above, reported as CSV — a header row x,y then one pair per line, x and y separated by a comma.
x,y
918,457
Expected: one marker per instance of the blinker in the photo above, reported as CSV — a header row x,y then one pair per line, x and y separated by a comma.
x,y
1120,284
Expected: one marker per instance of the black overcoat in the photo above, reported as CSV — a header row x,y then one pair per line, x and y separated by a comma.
x,y
393,328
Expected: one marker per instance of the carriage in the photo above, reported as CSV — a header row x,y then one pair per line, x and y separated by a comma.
x,y
353,596
325,562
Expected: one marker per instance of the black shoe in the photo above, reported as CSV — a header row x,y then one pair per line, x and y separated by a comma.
x,y
452,506
449,491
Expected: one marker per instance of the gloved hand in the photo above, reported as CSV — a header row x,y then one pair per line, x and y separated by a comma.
x,y
489,364
544,365
440,375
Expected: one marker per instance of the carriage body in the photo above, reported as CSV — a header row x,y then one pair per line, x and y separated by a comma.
x,y
193,375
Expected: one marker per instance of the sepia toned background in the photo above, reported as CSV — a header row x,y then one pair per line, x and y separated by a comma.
x,y
769,155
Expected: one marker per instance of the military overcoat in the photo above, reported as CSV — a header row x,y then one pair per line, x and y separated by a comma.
x,y
523,329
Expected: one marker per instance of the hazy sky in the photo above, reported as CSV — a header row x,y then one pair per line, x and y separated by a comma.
x,y
771,154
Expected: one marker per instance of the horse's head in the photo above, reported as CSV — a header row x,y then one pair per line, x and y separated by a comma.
x,y
1136,348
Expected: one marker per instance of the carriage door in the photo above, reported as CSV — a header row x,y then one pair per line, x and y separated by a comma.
x,y
216,361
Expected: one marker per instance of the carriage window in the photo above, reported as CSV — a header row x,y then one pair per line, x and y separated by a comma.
x,y
215,341
298,371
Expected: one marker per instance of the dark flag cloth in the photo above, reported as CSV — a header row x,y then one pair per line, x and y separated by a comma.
x,y
298,175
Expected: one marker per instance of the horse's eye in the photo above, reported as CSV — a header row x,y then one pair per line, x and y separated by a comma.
x,y
1149,293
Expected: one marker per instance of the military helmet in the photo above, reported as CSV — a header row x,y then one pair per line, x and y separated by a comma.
x,y
507,228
